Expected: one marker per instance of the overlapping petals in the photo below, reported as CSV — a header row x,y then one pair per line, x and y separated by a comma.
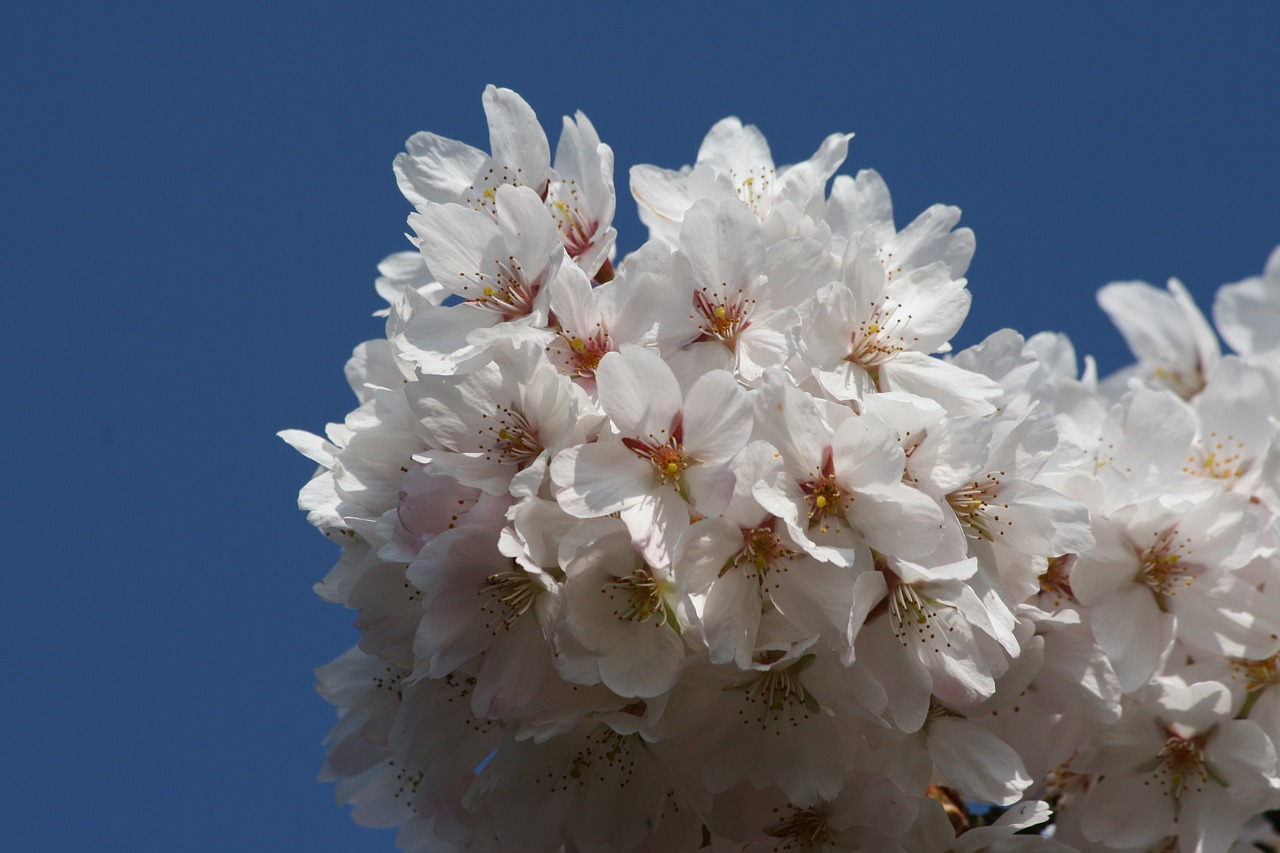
x,y
719,546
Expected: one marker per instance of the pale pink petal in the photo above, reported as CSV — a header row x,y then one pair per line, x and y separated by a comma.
x,y
639,393
516,138
717,419
435,169
1133,632
599,479
975,761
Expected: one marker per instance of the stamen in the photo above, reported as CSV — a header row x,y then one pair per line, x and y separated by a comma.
x,y
721,319
508,596
882,335
914,615
827,501
640,597
977,510
762,552
801,829
778,697
1181,767
505,292
515,440
577,232
607,757
667,457
1163,569
1217,458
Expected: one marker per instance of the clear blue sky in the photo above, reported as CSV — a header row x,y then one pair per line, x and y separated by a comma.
x,y
194,197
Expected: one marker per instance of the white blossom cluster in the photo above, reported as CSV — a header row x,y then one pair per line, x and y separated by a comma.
x,y
721,547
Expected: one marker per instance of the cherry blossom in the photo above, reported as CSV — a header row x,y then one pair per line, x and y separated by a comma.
x,y
717,545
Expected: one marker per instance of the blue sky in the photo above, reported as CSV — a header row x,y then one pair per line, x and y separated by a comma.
x,y
194,199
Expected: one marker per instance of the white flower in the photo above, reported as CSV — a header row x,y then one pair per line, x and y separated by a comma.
x,y
841,490
859,210
743,561
872,331
715,549
620,625
671,453
1175,345
444,171
497,427
503,267
1247,313
734,162
581,195
1156,573
1178,765
743,297
773,724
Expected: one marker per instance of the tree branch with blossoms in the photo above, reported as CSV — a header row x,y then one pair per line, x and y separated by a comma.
x,y
719,546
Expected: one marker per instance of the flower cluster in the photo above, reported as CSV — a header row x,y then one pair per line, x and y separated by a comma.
x,y
721,546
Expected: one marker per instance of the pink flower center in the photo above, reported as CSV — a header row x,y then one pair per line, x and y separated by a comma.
x,y
1163,569
721,319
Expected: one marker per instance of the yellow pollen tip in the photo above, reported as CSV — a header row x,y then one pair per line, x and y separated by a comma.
x,y
488,291
873,329
720,312
504,434
489,194
820,501
672,467
576,344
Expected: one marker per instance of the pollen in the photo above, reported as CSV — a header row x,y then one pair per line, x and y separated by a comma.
x,y
915,616
777,698
721,316
882,335
606,758
977,506
1181,767
1164,569
514,440
583,355
506,596
1257,674
639,597
762,552
576,227
802,829
504,291
827,501
667,457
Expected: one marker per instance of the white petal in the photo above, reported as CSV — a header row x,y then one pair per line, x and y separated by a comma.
x,y
1124,810
717,419
731,618
723,245
1133,632
599,479
639,393
435,169
516,138
977,762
